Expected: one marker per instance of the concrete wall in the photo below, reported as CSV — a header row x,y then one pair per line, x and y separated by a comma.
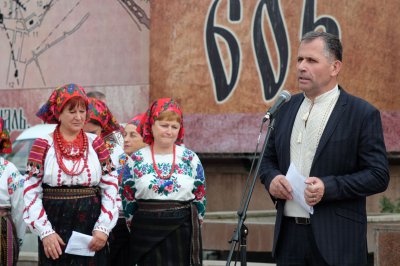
x,y
45,44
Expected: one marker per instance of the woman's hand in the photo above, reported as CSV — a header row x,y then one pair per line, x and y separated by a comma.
x,y
99,240
52,246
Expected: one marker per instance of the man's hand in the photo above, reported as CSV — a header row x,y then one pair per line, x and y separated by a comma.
x,y
280,188
314,191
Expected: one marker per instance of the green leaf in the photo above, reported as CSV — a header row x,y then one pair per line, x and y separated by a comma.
x,y
387,206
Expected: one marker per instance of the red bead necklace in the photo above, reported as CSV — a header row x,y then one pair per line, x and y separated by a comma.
x,y
158,172
71,150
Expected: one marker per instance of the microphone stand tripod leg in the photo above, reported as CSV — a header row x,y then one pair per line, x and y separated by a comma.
x,y
243,245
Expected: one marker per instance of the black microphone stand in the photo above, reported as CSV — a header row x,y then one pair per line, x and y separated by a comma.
x,y
241,230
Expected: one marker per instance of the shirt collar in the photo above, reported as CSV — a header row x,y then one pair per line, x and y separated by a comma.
x,y
325,97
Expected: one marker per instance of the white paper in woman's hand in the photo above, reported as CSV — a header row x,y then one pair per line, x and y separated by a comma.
x,y
78,244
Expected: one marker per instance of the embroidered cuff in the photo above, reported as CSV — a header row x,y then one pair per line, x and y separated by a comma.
x,y
46,233
102,229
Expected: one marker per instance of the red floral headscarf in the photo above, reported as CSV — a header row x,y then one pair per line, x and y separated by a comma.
x,y
99,112
5,142
136,120
148,119
51,110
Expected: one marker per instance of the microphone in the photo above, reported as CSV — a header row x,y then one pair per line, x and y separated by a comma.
x,y
283,98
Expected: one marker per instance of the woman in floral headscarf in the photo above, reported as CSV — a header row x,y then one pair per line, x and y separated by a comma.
x,y
102,123
133,141
71,184
163,192
119,238
12,226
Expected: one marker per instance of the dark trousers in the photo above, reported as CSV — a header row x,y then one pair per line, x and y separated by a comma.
x,y
296,245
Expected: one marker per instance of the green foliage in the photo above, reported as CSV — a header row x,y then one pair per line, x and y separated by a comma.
x,y
387,206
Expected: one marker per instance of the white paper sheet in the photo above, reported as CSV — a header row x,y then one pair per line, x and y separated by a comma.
x,y
296,180
78,244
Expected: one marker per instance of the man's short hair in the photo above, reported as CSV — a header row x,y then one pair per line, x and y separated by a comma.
x,y
333,46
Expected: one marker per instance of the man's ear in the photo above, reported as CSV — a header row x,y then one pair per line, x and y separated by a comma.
x,y
335,67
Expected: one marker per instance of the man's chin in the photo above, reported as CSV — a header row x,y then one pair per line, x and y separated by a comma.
x,y
304,86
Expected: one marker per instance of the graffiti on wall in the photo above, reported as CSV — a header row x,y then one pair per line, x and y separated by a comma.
x,y
14,119
225,78
47,43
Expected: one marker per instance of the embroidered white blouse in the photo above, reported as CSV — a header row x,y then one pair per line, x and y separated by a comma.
x,y
98,173
11,191
140,181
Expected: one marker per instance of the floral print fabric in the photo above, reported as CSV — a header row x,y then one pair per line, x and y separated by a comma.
x,y
11,191
98,111
140,181
51,110
136,119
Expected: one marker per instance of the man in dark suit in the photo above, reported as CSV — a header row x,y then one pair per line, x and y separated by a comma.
x,y
335,140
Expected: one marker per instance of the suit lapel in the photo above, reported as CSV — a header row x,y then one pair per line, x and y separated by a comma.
x,y
332,122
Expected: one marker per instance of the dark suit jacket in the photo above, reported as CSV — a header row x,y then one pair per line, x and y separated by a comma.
x,y
351,161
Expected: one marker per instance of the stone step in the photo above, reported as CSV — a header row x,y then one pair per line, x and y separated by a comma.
x,y
28,258
218,229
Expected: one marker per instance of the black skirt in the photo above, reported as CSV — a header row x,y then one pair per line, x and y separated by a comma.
x,y
119,244
165,233
72,214
9,246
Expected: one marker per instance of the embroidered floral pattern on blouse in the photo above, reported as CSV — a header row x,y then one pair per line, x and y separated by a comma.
x,y
120,169
110,144
140,181
11,192
14,183
13,180
127,192
164,187
33,169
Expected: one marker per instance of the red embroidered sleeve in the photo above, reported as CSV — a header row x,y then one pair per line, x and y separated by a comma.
x,y
35,166
104,156
33,211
